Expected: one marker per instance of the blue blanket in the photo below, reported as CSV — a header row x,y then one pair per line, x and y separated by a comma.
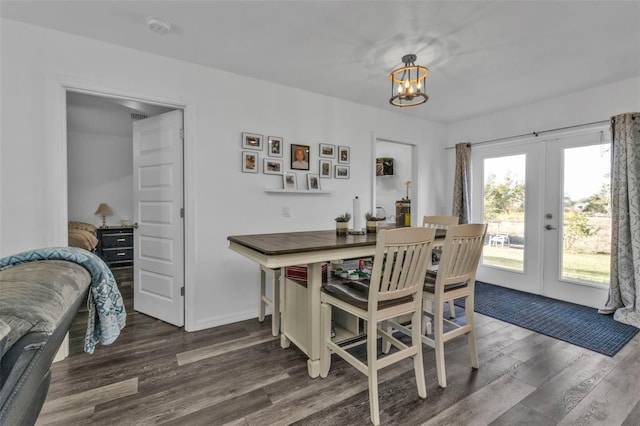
x,y
107,315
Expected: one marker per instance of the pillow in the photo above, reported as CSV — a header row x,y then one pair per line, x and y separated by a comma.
x,y
83,226
83,239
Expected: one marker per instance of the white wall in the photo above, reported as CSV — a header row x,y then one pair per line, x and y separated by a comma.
x,y
595,104
220,200
100,170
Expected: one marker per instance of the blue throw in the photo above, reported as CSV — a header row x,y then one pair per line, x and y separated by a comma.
x,y
107,315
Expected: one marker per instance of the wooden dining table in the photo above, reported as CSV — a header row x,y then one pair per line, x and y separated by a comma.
x,y
313,248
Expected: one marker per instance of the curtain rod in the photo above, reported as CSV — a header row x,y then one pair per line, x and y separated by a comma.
x,y
535,134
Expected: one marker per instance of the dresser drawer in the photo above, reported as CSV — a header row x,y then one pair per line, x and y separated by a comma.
x,y
115,246
116,240
116,255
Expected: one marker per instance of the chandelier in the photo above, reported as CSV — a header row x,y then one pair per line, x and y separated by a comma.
x,y
407,83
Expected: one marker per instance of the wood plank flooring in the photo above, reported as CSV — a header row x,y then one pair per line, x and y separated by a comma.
x,y
237,374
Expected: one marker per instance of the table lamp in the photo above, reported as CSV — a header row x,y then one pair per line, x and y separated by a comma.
x,y
104,210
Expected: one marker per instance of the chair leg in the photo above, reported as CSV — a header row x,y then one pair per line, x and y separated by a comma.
x,y
452,309
325,330
386,345
438,336
372,373
473,350
426,326
416,341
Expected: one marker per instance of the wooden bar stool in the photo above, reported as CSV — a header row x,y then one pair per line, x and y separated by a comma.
x,y
395,289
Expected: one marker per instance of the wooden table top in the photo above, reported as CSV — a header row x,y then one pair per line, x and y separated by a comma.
x,y
307,241
296,242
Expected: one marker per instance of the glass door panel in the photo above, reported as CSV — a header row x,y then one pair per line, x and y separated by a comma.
x,y
504,211
506,194
586,229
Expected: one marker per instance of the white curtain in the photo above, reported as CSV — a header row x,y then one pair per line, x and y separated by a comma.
x,y
624,291
462,183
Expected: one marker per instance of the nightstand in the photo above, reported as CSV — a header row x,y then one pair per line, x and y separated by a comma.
x,y
115,245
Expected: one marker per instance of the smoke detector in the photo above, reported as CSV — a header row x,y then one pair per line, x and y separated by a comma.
x,y
158,25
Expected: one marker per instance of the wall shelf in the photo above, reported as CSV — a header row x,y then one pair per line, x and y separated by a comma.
x,y
299,191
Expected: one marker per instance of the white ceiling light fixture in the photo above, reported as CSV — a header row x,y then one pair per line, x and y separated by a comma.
x,y
158,25
407,83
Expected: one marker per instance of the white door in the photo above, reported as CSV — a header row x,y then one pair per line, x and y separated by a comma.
x,y
546,203
506,195
577,220
157,209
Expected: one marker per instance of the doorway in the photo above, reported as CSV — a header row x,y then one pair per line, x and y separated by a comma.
x,y
547,206
391,185
100,163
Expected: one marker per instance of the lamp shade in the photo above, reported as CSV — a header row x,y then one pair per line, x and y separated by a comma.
x,y
104,210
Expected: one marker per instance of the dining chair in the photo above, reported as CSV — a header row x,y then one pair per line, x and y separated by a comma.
x,y
441,222
455,279
395,289
274,301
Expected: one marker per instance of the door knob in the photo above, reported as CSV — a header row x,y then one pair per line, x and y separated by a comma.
x,y
135,225
549,227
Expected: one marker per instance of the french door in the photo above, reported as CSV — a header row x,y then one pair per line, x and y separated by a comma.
x,y
547,206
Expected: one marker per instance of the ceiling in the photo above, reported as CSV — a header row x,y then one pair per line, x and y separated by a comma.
x,y
482,56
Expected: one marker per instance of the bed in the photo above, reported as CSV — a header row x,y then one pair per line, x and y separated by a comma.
x,y
42,291
83,235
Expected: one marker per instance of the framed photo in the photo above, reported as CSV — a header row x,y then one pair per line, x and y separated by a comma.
x,y
327,151
251,141
289,181
341,172
275,146
325,169
344,155
272,167
300,157
313,182
249,162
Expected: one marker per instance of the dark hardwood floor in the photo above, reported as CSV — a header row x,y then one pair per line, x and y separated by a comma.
x,y
238,374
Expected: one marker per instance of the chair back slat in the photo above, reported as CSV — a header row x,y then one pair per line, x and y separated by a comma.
x,y
440,222
400,263
460,254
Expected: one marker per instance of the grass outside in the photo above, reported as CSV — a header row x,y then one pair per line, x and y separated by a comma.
x,y
592,268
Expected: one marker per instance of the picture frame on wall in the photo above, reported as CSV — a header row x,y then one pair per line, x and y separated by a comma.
x,y
325,168
274,146
344,155
327,151
341,172
249,162
300,157
272,167
313,182
289,181
251,141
